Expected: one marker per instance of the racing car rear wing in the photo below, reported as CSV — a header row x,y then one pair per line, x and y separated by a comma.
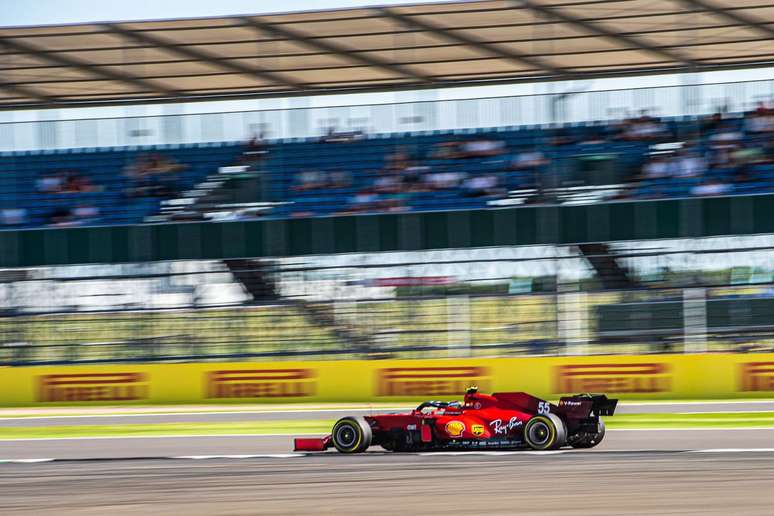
x,y
587,405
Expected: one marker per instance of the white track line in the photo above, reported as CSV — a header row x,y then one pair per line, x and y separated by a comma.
x,y
700,429
26,461
258,456
734,450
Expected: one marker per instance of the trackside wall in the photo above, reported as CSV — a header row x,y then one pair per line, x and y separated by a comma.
x,y
628,377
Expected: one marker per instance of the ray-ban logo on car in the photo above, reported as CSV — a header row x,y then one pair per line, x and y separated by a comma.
x,y
261,383
756,376
615,378
93,387
430,381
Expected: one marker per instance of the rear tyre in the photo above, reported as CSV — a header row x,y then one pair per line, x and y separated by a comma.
x,y
545,432
351,435
593,439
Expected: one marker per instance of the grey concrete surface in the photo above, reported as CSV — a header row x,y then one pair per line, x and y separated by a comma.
x,y
290,414
579,483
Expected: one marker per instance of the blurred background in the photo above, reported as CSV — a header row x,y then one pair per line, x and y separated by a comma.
x,y
446,183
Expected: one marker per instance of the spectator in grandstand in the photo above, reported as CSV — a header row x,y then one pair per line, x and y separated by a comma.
x,y
333,136
560,137
761,120
364,200
398,160
388,183
529,159
482,186
13,216
768,151
60,217
413,178
444,180
153,175
50,183
726,137
85,214
643,128
74,182
256,150
78,216
482,148
70,181
311,180
339,179
657,167
711,187
689,163
711,123
445,150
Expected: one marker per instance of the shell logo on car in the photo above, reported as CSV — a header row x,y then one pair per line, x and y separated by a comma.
x,y
477,430
455,428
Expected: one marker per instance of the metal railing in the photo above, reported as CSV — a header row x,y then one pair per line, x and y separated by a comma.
x,y
462,304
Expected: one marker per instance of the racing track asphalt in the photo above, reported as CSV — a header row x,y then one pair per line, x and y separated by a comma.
x,y
160,447
590,482
305,414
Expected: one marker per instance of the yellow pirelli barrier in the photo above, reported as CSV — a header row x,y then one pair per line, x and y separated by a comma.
x,y
627,377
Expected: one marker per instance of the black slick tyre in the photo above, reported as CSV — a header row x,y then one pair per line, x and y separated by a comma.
x,y
545,432
351,435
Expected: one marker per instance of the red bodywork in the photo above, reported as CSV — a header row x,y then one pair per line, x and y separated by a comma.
x,y
480,421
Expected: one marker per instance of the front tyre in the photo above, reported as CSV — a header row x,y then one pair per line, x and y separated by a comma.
x,y
592,440
545,432
351,435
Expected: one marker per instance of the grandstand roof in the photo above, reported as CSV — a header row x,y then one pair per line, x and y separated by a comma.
x,y
378,48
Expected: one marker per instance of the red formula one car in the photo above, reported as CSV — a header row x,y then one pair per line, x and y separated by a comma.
x,y
508,420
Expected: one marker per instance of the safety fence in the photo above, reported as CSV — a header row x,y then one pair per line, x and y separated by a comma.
x,y
649,297
694,376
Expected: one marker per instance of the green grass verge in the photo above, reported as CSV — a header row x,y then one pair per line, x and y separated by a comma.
x,y
627,421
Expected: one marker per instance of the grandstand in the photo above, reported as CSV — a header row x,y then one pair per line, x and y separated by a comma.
x,y
314,177
271,187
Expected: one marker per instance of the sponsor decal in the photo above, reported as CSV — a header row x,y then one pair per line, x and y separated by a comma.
x,y
498,428
477,430
613,378
93,387
261,383
430,381
455,428
756,376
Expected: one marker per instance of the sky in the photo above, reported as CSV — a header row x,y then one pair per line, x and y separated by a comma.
x,y
41,12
